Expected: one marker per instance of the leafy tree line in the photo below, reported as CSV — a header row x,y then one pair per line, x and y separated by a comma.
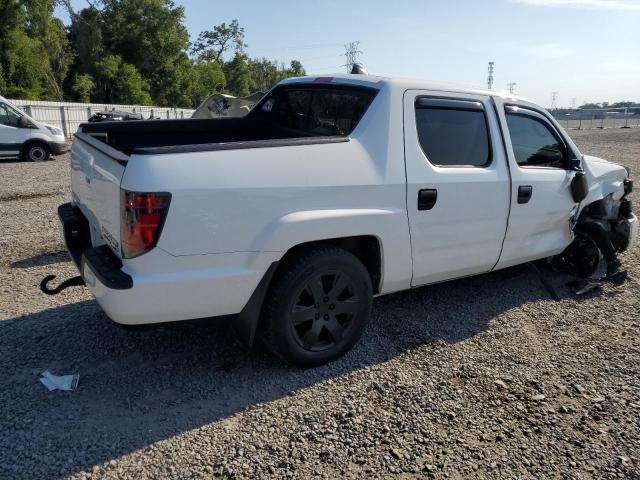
x,y
125,51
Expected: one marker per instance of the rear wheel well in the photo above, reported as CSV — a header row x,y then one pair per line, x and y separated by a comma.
x,y
367,248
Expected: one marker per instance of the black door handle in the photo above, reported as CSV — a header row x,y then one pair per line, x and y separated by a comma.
x,y
427,198
524,193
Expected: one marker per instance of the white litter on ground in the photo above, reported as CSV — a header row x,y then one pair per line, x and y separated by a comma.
x,y
59,382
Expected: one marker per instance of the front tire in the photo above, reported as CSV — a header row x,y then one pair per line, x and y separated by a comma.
x,y
37,152
318,307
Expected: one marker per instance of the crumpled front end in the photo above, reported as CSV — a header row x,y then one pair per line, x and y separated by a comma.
x,y
608,203
606,224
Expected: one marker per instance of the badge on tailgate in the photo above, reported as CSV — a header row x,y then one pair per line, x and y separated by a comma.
x,y
112,242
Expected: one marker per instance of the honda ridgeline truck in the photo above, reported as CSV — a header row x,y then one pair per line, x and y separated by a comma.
x,y
331,191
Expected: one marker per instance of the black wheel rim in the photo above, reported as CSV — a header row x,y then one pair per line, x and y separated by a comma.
x,y
323,311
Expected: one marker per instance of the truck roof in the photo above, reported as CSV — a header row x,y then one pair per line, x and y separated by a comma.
x,y
398,83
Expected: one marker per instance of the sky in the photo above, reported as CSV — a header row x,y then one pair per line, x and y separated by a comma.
x,y
587,50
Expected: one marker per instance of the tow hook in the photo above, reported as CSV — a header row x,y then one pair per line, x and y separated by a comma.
x,y
71,282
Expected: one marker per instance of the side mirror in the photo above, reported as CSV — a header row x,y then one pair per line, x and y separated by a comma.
x,y
579,187
575,164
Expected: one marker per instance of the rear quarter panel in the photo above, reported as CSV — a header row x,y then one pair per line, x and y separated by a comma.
x,y
271,199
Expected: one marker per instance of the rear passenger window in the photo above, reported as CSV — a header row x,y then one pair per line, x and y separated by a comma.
x,y
452,136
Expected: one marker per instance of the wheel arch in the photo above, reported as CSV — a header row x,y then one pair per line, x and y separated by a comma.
x,y
367,248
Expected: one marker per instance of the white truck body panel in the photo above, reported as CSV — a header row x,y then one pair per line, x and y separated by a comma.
x,y
234,212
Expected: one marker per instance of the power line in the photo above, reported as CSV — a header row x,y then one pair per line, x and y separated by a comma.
x,y
352,53
490,76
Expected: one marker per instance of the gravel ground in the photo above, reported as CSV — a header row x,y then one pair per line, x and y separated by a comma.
x,y
481,377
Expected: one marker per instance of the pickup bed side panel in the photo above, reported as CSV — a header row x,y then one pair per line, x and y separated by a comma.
x,y
258,203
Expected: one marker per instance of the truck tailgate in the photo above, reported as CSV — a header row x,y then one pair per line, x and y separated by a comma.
x,y
95,186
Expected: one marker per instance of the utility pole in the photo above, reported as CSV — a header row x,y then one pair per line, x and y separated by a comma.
x,y
351,52
512,87
554,99
490,76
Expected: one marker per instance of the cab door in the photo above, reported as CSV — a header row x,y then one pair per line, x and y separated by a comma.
x,y
457,184
542,206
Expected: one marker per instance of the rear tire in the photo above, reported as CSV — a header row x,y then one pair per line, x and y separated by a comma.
x,y
37,152
318,307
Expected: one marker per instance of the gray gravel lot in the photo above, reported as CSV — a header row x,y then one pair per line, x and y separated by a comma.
x,y
481,377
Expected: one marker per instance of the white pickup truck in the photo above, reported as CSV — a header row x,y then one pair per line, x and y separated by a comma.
x,y
331,191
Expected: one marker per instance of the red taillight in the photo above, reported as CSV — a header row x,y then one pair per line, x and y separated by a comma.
x,y
141,219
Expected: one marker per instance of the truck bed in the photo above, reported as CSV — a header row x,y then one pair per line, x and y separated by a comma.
x,y
129,136
289,115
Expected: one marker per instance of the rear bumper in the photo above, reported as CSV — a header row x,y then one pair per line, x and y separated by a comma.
x,y
158,287
106,267
59,148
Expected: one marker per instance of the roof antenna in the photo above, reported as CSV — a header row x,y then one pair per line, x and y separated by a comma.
x,y
359,69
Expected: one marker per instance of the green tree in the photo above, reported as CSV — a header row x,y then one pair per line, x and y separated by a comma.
x,y
120,82
207,78
237,75
82,88
34,51
589,106
211,45
149,38
296,69
264,74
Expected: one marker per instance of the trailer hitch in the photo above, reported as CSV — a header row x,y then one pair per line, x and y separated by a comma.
x,y
71,282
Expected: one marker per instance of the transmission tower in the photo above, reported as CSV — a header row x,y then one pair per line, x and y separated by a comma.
x,y
554,99
490,76
573,103
351,52
512,87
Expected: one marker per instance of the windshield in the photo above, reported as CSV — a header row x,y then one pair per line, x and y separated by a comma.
x,y
9,116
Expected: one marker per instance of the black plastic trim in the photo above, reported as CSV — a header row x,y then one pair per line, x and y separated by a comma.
x,y
246,323
75,229
110,152
628,186
58,148
446,103
10,147
427,198
106,267
213,147
103,262
524,193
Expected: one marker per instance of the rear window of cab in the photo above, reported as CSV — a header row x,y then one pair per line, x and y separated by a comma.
x,y
316,110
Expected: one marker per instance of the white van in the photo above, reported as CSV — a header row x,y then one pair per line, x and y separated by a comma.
x,y
22,136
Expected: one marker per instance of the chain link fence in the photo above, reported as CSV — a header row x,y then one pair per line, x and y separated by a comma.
x,y
68,116
585,119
